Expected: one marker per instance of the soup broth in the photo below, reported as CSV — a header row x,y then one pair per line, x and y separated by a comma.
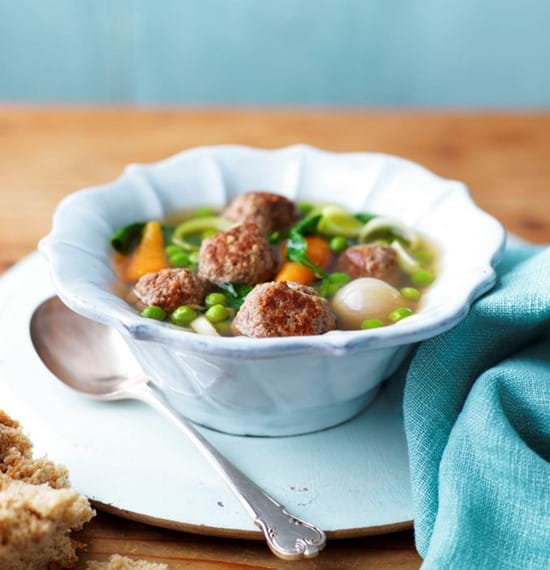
x,y
264,266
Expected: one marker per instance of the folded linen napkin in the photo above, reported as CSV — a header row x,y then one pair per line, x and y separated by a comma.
x,y
477,418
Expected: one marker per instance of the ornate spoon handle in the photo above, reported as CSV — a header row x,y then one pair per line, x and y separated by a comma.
x,y
287,536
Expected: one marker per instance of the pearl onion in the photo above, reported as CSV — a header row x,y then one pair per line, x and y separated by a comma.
x,y
364,298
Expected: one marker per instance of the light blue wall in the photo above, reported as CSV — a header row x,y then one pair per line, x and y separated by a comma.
x,y
381,52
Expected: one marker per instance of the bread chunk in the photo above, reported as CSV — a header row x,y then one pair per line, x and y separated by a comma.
x,y
117,562
38,509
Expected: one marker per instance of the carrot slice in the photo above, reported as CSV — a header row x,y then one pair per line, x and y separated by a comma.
x,y
318,251
149,255
292,271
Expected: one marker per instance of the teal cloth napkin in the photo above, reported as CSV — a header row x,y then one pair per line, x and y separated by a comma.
x,y
477,419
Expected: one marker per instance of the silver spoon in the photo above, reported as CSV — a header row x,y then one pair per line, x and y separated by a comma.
x,y
93,359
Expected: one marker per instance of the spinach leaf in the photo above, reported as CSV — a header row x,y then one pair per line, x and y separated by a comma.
x,y
297,245
307,226
167,232
363,217
125,238
236,293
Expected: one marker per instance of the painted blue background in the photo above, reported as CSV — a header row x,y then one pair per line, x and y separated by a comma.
x,y
381,52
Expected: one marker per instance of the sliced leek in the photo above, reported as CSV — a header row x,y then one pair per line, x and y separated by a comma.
x,y
198,225
335,221
405,260
202,325
383,224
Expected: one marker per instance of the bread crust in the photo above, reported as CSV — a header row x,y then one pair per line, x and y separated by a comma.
x,y
38,509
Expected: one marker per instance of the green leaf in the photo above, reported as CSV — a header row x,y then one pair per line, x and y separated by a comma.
x,y
124,239
308,226
236,293
296,251
364,217
167,232
297,245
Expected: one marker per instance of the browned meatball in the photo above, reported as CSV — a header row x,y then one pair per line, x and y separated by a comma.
x,y
283,309
369,260
170,288
271,212
238,255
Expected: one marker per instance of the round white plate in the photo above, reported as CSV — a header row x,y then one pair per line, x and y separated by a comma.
x,y
351,480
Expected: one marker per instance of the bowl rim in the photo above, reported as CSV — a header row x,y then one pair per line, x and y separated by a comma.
x,y
339,342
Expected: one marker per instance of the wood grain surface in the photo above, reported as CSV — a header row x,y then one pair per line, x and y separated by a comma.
x,y
47,153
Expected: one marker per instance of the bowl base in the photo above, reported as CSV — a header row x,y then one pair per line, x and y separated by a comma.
x,y
308,421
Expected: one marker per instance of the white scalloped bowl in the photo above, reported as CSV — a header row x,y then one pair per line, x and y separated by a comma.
x,y
275,386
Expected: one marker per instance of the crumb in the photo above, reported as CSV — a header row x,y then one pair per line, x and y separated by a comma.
x,y
117,562
38,509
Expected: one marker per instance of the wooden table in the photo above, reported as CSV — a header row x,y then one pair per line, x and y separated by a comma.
x,y
45,154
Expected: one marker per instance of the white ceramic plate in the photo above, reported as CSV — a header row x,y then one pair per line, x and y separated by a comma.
x,y
351,480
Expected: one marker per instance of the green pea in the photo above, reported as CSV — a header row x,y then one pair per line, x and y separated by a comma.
x,y
338,277
372,324
194,257
400,314
223,328
332,289
305,207
422,278
322,288
179,259
215,299
183,315
172,250
338,244
410,293
208,233
153,312
274,237
205,212
217,313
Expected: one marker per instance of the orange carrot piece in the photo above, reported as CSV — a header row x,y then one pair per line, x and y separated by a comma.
x,y
317,250
149,255
292,271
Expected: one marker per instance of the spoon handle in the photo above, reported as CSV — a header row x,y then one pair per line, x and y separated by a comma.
x,y
287,536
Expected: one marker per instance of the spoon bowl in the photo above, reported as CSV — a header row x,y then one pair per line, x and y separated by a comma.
x,y
85,355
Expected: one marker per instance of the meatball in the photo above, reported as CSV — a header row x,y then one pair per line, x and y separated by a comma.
x,y
238,255
170,288
369,260
283,309
271,212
